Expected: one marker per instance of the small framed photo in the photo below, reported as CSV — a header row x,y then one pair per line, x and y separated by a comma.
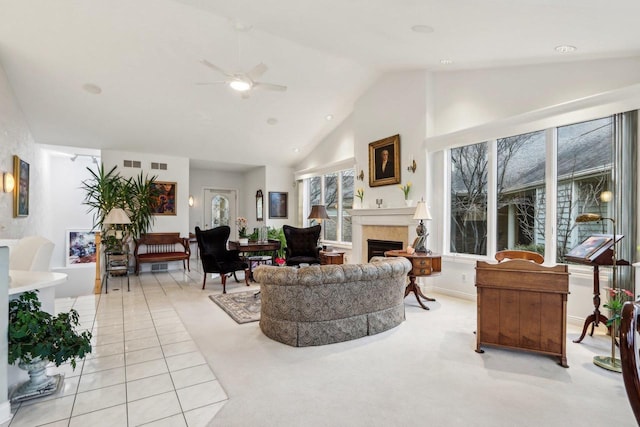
x,y
384,161
164,198
81,247
21,189
278,204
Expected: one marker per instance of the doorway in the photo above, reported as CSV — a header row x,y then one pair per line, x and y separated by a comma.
x,y
220,208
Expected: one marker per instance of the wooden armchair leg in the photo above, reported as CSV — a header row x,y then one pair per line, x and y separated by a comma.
x,y
235,277
223,278
204,280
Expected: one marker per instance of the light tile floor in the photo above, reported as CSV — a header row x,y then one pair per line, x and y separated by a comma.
x,y
144,368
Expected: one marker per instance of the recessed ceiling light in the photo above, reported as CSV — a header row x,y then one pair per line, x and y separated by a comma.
x,y
565,48
425,29
92,88
272,121
446,61
328,117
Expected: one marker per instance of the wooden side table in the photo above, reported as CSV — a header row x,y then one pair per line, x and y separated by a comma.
x,y
423,264
331,257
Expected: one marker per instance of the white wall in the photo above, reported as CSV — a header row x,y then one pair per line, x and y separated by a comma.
x,y
395,104
469,98
16,139
177,171
254,180
337,146
281,179
200,179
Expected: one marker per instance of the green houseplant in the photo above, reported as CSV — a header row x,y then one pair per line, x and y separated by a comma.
x,y
36,338
106,190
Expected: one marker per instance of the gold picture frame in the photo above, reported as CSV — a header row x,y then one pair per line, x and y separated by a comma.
x,y
164,199
21,189
384,161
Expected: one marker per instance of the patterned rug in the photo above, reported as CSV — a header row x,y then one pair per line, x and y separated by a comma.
x,y
243,307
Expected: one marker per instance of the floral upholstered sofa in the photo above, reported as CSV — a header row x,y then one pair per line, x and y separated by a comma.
x,y
324,304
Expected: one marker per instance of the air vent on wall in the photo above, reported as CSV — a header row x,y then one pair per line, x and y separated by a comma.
x,y
161,166
132,164
163,266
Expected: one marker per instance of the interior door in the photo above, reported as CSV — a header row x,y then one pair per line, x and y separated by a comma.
x,y
220,208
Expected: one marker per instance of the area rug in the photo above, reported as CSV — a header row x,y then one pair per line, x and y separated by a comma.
x,y
243,307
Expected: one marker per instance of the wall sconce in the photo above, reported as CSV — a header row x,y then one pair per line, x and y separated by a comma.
x,y
8,183
606,196
360,176
412,166
190,201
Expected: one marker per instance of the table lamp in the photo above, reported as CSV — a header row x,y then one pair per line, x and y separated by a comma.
x,y
422,213
116,216
318,212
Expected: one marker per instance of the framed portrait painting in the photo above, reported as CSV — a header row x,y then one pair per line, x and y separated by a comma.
x,y
164,202
21,189
81,247
384,161
278,204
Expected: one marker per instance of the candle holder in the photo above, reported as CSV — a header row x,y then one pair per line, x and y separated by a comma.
x,y
379,203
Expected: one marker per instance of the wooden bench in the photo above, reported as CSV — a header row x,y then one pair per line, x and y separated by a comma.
x,y
162,247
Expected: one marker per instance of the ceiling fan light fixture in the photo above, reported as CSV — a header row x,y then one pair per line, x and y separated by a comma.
x,y
240,85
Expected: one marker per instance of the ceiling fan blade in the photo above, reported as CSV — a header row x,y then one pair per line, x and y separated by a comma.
x,y
270,86
257,71
215,67
210,83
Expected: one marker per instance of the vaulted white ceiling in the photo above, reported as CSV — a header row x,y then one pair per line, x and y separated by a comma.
x,y
145,56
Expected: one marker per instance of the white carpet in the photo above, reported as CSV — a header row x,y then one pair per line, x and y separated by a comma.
x,y
424,372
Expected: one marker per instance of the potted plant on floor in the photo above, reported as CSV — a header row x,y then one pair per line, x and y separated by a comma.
x,y
37,338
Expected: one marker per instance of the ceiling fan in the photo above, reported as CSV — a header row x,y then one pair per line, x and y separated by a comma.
x,y
244,82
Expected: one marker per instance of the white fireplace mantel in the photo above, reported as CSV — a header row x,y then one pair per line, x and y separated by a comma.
x,y
381,217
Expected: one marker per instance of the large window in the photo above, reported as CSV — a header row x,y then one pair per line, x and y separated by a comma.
x,y
520,192
584,172
507,179
334,191
469,173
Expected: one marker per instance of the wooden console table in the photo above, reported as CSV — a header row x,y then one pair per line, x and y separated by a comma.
x,y
523,305
423,264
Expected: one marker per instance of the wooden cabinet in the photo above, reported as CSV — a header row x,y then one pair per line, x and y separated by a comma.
x,y
425,265
523,305
331,257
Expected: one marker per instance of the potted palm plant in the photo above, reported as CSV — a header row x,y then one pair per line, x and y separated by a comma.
x,y
36,338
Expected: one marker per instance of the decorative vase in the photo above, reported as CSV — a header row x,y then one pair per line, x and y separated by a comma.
x,y
408,202
39,384
243,240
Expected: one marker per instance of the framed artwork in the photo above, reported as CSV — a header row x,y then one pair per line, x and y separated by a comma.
x,y
384,161
278,204
21,190
164,198
81,247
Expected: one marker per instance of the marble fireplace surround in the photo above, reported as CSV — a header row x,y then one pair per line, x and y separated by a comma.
x,y
383,224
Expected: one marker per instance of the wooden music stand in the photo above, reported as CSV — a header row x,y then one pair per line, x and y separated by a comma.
x,y
596,250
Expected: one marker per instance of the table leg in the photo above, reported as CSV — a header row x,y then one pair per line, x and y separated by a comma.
x,y
596,317
413,287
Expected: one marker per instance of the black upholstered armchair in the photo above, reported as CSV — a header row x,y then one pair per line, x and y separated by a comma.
x,y
216,258
302,244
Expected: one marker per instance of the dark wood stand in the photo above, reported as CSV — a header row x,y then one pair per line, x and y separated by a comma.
x,y
602,256
423,264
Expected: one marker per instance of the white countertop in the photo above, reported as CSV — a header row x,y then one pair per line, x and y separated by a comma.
x,y
23,280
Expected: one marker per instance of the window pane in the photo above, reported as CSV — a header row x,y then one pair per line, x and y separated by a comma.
x,y
330,226
469,168
347,203
521,192
584,172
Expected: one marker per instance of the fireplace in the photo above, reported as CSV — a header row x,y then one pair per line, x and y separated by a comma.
x,y
379,247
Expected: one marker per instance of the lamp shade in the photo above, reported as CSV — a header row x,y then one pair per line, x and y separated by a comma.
x,y
117,216
588,217
318,212
422,211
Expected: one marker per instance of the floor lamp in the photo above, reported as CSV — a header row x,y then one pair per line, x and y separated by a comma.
x,y
115,217
606,362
